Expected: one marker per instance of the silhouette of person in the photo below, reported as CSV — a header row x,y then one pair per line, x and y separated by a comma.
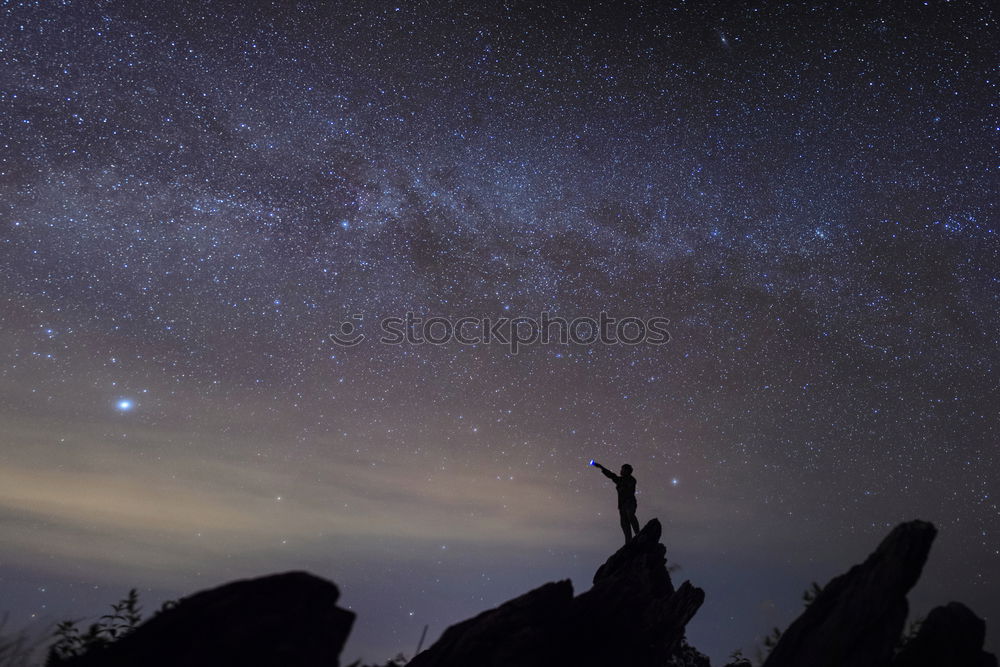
x,y
625,483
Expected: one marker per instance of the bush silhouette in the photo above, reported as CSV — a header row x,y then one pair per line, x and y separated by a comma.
x,y
70,642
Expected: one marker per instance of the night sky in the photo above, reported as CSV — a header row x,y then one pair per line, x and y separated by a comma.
x,y
194,196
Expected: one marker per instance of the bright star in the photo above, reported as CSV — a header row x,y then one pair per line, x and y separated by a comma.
x,y
125,404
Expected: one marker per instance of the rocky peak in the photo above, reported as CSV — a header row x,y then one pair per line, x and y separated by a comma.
x,y
950,635
631,616
857,618
289,619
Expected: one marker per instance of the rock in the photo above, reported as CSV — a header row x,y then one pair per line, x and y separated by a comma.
x,y
518,632
281,620
856,620
631,616
634,605
643,560
950,635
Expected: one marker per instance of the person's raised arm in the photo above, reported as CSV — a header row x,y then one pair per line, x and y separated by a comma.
x,y
607,473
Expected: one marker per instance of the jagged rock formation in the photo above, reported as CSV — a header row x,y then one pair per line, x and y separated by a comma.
x,y
518,632
281,620
634,602
950,635
856,620
631,616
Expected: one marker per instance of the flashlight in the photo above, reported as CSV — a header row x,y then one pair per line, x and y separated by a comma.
x,y
593,462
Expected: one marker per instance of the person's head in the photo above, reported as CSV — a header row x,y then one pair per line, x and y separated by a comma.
x,y
626,469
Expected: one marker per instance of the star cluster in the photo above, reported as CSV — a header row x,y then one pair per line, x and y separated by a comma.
x,y
193,196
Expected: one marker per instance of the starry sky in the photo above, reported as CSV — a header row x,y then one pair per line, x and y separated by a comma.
x,y
194,196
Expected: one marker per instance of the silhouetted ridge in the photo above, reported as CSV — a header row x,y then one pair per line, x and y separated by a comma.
x,y
281,620
857,618
634,601
518,632
631,616
644,556
950,635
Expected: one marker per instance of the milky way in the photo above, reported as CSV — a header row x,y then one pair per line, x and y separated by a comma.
x,y
194,196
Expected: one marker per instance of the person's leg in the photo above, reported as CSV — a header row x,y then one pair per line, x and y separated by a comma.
x,y
626,525
635,522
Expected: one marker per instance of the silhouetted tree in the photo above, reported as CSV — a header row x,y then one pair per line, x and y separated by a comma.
x,y
70,642
809,595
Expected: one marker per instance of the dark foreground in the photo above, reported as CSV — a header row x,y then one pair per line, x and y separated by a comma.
x,y
632,616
